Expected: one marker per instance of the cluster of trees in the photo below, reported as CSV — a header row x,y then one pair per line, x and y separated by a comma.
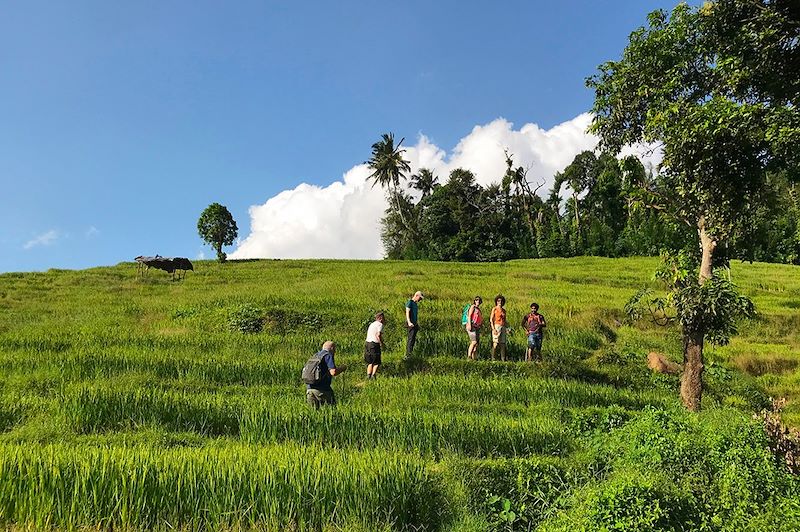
x,y
717,86
595,207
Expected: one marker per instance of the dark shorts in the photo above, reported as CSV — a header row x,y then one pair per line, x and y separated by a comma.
x,y
372,353
535,341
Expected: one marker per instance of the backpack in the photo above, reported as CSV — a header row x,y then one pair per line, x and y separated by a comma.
x,y
477,319
314,370
465,314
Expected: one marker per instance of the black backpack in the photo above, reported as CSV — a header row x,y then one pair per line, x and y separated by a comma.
x,y
314,370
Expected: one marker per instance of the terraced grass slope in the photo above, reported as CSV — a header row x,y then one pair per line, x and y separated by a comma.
x,y
139,403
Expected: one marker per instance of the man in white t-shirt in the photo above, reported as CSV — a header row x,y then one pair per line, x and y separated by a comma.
x,y
372,351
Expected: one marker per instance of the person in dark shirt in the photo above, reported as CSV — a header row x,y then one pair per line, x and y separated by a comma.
x,y
321,393
412,321
534,324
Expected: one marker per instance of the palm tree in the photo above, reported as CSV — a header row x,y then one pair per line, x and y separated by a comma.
x,y
388,168
424,181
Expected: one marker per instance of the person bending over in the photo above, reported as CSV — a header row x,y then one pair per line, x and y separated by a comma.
x,y
318,375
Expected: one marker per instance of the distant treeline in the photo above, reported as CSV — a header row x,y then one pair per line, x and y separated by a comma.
x,y
597,206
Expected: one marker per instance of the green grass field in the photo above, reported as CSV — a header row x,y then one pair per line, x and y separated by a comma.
x,y
131,403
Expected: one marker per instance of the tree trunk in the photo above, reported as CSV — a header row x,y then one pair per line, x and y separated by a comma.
x,y
693,339
397,206
692,377
578,243
529,218
708,245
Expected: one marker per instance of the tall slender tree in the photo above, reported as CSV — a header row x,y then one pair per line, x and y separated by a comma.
x,y
389,168
579,176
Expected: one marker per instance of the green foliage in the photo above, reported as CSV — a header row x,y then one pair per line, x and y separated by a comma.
x,y
217,227
669,470
682,82
514,494
246,318
714,308
280,488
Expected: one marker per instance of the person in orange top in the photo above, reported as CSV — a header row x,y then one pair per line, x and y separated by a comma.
x,y
499,327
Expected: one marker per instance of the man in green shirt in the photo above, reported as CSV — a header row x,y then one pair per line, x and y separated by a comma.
x,y
412,321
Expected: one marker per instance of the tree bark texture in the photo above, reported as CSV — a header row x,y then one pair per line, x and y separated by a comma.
x,y
579,245
692,377
708,244
399,209
693,339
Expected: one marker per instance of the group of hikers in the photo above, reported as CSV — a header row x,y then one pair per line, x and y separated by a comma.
x,y
533,323
320,369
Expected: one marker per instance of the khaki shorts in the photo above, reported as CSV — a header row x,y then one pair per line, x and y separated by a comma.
x,y
317,398
474,335
499,334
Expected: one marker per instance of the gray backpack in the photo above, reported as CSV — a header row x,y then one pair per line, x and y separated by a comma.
x,y
314,370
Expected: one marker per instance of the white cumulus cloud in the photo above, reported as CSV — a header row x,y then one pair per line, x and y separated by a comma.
x,y
44,239
342,220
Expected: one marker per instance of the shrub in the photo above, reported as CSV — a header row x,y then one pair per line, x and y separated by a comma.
x,y
512,493
632,501
246,318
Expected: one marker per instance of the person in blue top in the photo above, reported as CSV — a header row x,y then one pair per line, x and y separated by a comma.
x,y
412,321
321,393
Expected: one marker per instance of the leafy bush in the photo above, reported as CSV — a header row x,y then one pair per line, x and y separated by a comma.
x,y
715,469
633,501
246,318
512,493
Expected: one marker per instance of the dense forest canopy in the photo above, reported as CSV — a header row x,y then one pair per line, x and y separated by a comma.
x,y
594,208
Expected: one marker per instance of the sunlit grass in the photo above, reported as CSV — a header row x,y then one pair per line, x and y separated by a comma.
x,y
129,403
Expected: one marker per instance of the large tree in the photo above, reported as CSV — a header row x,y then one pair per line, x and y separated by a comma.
x,y
718,88
217,227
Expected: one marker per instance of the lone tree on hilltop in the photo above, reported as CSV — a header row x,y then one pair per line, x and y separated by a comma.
x,y
218,228
718,87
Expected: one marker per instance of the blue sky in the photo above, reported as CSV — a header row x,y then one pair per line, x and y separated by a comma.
x,y
120,122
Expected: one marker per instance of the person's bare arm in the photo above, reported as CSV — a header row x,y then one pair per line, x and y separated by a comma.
x,y
335,371
408,317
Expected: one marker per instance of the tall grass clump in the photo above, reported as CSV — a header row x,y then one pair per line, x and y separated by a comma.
x,y
427,433
92,409
278,488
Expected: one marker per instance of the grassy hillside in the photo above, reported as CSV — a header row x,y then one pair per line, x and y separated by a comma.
x,y
136,403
